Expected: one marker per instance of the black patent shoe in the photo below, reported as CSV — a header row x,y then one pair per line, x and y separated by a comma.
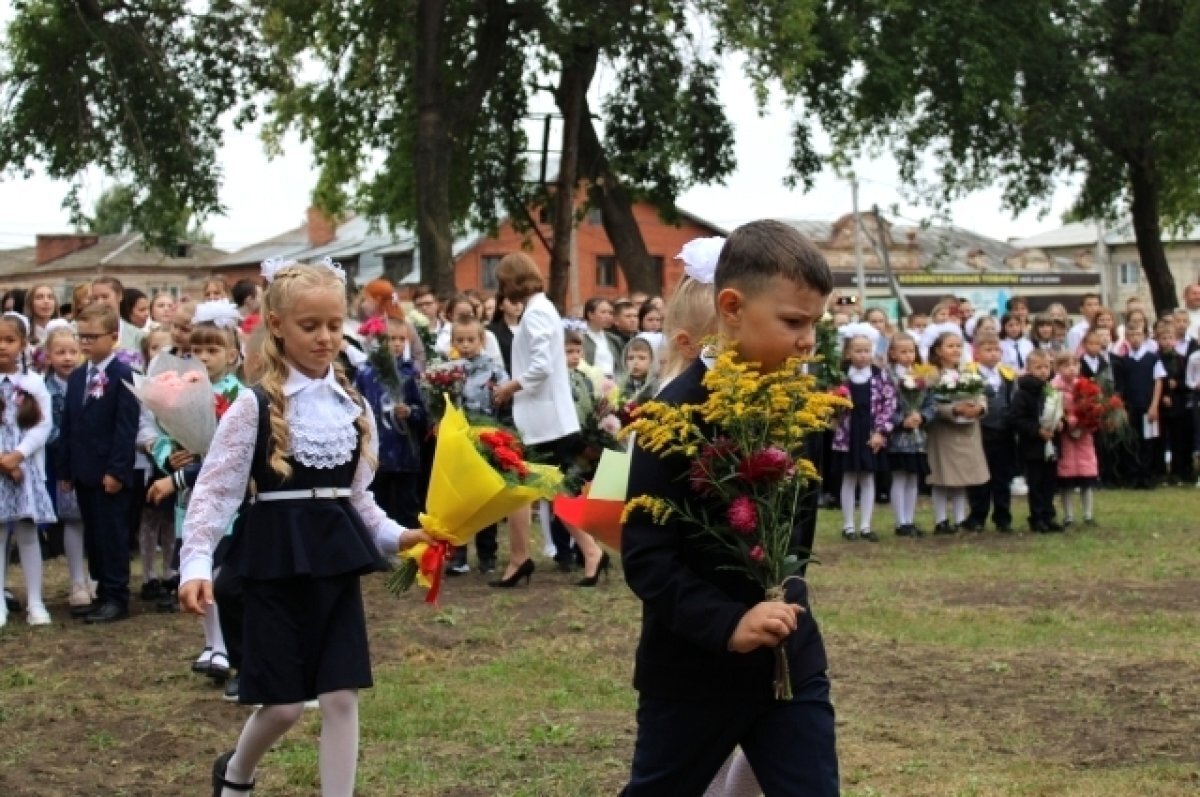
x,y
525,571
594,579
945,528
219,783
107,613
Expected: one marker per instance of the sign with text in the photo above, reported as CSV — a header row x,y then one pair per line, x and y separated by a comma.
x,y
997,279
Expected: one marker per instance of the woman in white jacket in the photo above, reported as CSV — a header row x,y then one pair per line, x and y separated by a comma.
x,y
542,409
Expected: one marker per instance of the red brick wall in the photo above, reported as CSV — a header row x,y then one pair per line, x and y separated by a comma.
x,y
52,247
662,240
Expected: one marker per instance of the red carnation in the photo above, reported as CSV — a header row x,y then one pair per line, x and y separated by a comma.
x,y
373,326
768,465
743,515
222,405
756,554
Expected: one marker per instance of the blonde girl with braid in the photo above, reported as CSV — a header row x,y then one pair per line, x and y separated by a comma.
x,y
291,461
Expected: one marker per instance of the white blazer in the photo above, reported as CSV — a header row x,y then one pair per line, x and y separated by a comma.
x,y
542,408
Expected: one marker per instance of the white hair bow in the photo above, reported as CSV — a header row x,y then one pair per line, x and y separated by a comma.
x,y
56,323
273,265
24,321
859,329
700,257
219,312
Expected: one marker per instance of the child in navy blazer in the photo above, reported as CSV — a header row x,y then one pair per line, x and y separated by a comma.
x,y
95,458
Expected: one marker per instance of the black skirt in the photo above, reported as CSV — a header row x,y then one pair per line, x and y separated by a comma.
x,y
303,637
908,462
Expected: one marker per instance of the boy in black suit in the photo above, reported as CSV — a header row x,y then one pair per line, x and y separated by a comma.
x,y
704,668
1025,414
999,447
99,432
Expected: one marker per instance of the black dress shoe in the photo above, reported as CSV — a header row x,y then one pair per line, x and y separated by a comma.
x,y
944,528
80,612
107,613
972,525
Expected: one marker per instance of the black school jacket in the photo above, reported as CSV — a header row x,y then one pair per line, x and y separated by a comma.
x,y
689,605
1025,416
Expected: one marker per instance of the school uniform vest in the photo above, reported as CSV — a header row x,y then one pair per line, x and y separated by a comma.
x,y
1137,383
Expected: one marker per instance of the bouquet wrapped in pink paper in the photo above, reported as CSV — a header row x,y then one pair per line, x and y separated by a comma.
x,y
181,397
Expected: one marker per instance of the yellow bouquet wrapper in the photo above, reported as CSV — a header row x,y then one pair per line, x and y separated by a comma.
x,y
466,495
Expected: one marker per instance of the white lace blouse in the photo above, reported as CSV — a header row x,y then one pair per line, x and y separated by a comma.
x,y
321,416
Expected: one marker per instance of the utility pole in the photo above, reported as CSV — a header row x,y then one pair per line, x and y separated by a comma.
x,y
1107,280
858,256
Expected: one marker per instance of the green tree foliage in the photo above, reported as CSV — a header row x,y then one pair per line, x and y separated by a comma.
x,y
138,89
1017,94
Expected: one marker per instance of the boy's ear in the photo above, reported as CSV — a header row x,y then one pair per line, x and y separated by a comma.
x,y
730,303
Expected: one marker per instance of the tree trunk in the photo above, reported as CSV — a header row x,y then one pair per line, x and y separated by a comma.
x,y
1148,232
616,207
434,238
579,66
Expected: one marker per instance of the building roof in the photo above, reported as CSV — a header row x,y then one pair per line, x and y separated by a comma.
x,y
124,251
1085,234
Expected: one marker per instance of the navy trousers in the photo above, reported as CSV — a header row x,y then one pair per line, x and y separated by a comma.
x,y
791,746
106,541
996,495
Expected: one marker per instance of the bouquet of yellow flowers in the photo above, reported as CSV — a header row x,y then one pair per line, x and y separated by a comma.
x,y
479,477
746,443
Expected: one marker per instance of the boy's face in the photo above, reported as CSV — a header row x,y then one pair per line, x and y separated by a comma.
x,y
987,354
466,341
773,323
574,355
95,341
1135,336
637,363
627,321
1089,307
181,329
1105,338
397,339
1060,333
104,294
1182,322
1165,337
1040,368
918,323
1092,346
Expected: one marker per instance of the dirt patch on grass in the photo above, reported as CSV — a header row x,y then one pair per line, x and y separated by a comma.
x,y
1172,595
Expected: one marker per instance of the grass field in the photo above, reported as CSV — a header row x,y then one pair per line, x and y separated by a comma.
x,y
1064,665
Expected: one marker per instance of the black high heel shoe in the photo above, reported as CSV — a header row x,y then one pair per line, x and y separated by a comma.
x,y
219,783
525,571
593,580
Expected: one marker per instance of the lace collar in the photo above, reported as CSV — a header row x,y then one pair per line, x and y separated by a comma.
x,y
859,376
297,382
321,415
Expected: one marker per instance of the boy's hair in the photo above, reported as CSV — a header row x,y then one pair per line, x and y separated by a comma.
x,y
244,289
1164,325
1037,354
621,305
986,338
102,314
467,323
901,337
148,339
1093,332
29,414
690,310
760,250
277,299
111,282
571,337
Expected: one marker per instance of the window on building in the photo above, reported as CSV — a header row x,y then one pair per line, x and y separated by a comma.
x,y
1128,274
606,271
398,267
487,273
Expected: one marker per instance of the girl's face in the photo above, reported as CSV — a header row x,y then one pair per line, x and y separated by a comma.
x,y
904,352
1044,331
1104,320
64,355
941,315
214,290
43,304
162,308
986,324
139,313
1068,371
1012,329
155,344
859,351
652,321
489,308
218,360
181,329
12,343
512,310
949,354
105,294
877,320
311,329
574,355
637,363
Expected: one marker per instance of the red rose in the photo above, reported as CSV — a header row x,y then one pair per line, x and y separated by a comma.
x,y
222,405
756,554
743,515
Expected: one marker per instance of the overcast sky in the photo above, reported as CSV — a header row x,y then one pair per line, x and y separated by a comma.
x,y
264,197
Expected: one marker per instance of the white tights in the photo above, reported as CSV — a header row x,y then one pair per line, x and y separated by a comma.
x,y
338,746
865,482
1088,496
30,551
956,494
904,497
73,547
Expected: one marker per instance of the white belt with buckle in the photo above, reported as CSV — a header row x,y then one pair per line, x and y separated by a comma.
x,y
319,493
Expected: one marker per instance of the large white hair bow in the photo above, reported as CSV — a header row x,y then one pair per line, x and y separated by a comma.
x,y
858,329
700,257
219,312
273,265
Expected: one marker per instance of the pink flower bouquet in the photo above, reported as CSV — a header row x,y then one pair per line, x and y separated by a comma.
x,y
181,397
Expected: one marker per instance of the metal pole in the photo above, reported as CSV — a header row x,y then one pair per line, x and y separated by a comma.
x,y
858,256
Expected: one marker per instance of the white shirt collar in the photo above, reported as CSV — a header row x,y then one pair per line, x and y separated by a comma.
x,y
103,365
297,382
859,375
1140,351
